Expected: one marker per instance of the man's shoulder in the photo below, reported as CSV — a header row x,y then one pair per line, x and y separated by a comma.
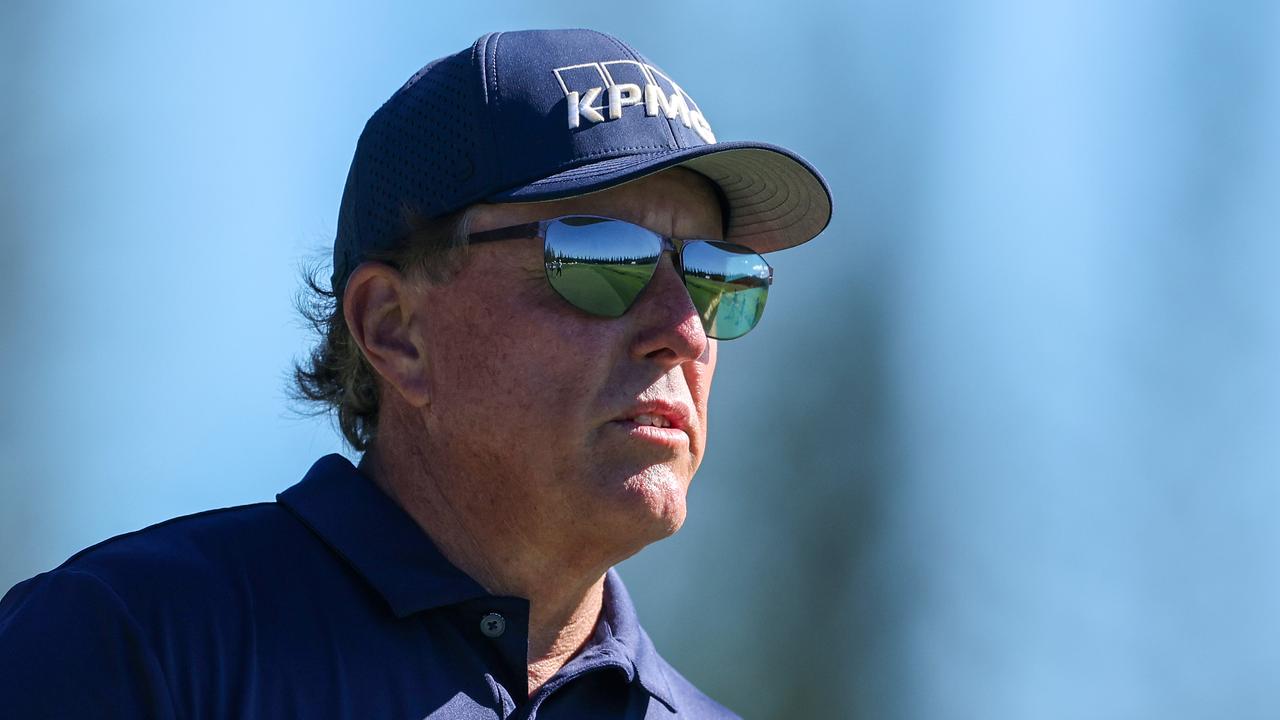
x,y
203,541
200,558
672,690
144,615
691,702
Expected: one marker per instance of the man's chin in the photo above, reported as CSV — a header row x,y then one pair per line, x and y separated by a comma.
x,y
657,494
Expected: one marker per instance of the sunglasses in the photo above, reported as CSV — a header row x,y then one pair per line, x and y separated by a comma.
x,y
601,265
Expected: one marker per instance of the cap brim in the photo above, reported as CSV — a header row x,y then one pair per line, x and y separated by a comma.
x,y
776,199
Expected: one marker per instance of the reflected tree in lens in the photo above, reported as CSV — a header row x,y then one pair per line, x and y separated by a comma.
x,y
600,265
729,285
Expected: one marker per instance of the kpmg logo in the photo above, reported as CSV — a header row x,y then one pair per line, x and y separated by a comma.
x,y
600,91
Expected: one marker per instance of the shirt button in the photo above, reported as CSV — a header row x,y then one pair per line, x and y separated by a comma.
x,y
493,625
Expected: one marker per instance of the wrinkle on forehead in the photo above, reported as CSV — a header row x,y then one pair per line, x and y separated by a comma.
x,y
676,202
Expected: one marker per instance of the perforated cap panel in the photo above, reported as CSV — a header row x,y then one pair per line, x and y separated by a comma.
x,y
417,154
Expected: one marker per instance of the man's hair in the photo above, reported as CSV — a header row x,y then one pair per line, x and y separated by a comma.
x,y
335,376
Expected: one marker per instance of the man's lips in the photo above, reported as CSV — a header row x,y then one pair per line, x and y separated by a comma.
x,y
658,414
667,437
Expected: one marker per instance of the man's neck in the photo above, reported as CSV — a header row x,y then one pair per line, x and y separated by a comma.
x,y
565,599
556,636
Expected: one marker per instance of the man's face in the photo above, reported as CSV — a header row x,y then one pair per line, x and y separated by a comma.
x,y
533,400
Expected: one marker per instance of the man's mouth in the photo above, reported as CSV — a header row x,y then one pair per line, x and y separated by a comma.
x,y
659,414
654,420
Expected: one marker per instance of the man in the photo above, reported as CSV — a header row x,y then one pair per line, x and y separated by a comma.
x,y
539,244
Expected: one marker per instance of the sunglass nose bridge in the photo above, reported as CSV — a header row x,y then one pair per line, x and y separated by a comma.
x,y
674,247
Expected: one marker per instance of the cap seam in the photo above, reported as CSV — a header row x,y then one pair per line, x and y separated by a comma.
x,y
565,167
496,157
627,50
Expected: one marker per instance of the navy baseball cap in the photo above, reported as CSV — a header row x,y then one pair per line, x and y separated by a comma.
x,y
550,114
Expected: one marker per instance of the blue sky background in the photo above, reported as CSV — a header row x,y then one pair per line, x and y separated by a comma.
x,y
1005,445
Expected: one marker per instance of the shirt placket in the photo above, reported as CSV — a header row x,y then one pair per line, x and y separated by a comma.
x,y
500,629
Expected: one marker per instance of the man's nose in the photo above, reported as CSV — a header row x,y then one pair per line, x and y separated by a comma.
x,y
667,325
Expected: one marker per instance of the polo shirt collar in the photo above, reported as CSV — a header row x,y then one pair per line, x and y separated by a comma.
x,y
380,540
365,527
619,619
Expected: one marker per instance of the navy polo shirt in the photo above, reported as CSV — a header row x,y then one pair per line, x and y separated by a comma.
x,y
329,603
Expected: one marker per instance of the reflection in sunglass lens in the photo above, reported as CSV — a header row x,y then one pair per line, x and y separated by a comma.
x,y
729,285
600,265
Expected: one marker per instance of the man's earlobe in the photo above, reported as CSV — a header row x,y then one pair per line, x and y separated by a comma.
x,y
379,311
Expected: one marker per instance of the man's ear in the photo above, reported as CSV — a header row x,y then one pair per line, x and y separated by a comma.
x,y
379,310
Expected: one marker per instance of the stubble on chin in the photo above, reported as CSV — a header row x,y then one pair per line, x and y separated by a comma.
x,y
659,492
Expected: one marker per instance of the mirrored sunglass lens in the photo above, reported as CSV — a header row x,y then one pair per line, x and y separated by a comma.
x,y
729,285
600,265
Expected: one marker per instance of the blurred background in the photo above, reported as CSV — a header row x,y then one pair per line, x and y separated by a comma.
x,y
1005,446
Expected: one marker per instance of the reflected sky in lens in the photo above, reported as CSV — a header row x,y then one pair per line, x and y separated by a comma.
x,y
725,262
598,240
